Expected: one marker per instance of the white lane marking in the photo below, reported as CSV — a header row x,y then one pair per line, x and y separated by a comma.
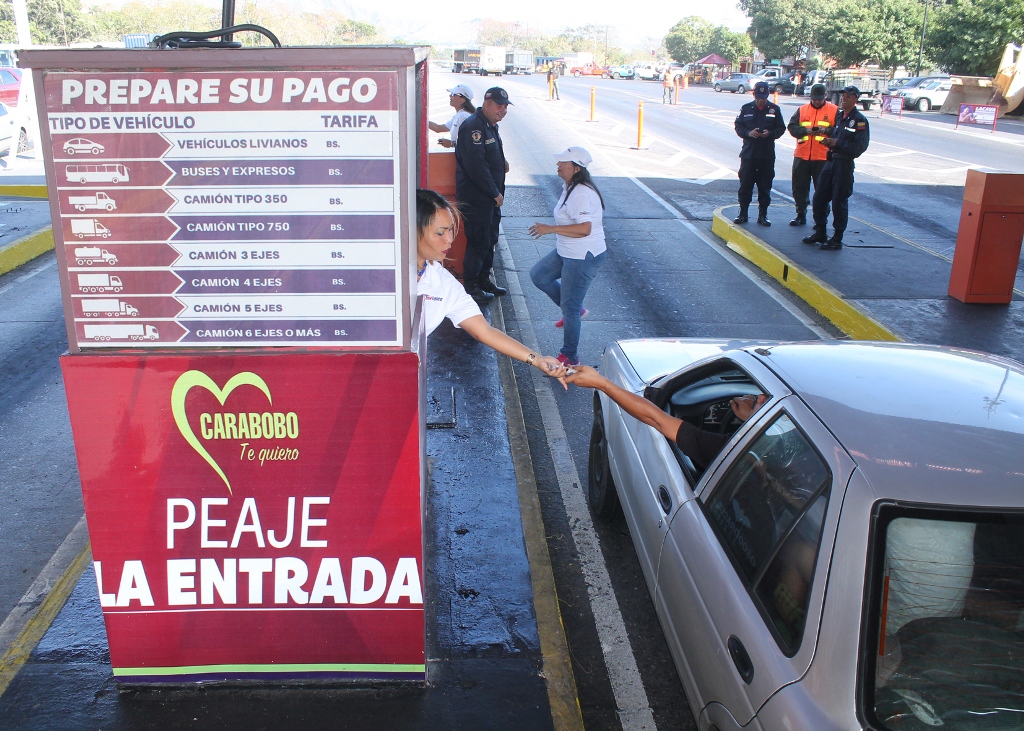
x,y
675,159
31,274
633,707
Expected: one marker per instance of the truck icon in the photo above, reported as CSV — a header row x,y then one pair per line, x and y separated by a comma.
x,y
82,227
89,255
107,308
93,202
99,283
121,332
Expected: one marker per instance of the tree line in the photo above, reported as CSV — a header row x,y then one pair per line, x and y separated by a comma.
x,y
64,22
963,36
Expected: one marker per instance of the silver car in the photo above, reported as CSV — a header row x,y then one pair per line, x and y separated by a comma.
x,y
738,83
853,556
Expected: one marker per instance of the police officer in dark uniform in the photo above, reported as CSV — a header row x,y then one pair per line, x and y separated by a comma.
x,y
847,140
759,124
480,189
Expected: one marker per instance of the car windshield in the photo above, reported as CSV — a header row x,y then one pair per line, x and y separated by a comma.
x,y
949,649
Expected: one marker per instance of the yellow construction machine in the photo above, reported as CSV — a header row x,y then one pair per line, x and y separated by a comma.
x,y
1006,90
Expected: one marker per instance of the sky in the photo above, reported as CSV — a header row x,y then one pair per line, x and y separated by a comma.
x,y
454,22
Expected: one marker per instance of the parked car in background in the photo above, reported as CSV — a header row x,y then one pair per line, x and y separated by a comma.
x,y
784,84
623,72
10,86
676,72
647,72
7,130
910,82
853,555
590,69
737,83
928,95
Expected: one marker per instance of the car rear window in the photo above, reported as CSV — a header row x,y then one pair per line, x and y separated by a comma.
x,y
947,648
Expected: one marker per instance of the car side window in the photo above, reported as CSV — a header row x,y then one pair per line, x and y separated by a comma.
x,y
768,511
8,77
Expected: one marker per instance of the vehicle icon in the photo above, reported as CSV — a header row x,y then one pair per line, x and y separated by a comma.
x,y
89,255
82,227
99,283
121,332
109,173
93,307
80,144
93,201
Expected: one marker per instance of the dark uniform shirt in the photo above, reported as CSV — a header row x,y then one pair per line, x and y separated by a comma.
x,y
852,135
751,118
480,162
700,446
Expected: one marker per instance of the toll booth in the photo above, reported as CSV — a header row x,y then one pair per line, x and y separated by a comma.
x,y
235,231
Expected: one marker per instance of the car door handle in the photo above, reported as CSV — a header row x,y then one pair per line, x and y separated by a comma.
x,y
665,499
741,659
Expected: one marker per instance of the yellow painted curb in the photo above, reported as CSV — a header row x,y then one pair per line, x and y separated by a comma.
x,y
563,696
831,303
24,191
17,654
26,249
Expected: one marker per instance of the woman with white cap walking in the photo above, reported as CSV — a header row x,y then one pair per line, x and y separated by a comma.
x,y
462,102
566,273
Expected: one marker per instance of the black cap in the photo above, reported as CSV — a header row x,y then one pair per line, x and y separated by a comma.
x,y
818,91
760,90
497,95
852,90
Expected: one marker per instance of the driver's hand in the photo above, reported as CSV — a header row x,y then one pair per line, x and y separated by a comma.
x,y
744,406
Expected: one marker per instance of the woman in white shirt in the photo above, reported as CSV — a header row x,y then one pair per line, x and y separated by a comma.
x,y
565,274
461,101
443,296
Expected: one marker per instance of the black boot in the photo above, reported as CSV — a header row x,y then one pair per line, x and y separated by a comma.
x,y
818,237
478,295
762,217
488,286
800,219
742,218
836,242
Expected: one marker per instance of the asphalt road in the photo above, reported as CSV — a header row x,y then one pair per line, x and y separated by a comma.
x,y
661,279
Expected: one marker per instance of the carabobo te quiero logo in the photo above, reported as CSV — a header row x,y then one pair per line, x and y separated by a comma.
x,y
234,425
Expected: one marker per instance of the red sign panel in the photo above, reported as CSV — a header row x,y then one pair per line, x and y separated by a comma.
x,y
253,517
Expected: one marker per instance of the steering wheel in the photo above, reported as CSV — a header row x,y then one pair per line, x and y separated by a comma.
x,y
728,420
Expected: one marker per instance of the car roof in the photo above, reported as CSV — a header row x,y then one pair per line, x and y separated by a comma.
x,y
924,423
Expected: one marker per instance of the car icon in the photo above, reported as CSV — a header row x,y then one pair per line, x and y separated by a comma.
x,y
849,555
80,144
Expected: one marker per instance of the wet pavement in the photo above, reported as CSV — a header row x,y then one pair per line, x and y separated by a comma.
x,y
483,653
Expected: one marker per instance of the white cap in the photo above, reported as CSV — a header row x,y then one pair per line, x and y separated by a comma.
x,y
462,90
575,154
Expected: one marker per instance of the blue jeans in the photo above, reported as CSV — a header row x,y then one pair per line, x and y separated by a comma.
x,y
566,282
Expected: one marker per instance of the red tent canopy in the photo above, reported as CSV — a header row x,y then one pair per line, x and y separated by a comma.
x,y
713,59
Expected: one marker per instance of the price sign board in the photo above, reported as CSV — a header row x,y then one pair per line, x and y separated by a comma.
x,y
249,207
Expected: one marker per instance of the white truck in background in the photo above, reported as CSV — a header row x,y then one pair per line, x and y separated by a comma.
x,y
121,332
99,283
89,255
492,60
82,227
107,308
93,202
518,61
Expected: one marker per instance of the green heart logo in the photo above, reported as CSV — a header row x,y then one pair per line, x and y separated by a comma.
x,y
189,379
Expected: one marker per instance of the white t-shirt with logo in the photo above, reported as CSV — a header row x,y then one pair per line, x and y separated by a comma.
x,y
443,297
583,205
455,122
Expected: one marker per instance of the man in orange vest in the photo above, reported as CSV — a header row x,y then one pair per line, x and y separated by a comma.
x,y
810,125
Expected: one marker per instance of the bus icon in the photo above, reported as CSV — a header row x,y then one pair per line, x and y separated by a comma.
x,y
109,173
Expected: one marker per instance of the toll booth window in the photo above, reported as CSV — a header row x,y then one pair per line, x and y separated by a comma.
x,y
768,511
949,649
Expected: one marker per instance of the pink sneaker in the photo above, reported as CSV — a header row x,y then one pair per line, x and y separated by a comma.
x,y
565,361
583,316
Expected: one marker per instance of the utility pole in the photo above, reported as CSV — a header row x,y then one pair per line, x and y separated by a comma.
x,y
924,29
